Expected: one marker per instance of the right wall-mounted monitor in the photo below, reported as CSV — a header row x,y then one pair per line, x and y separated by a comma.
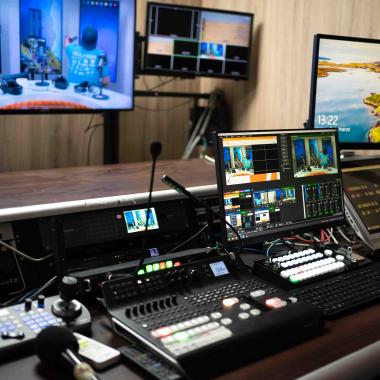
x,y
189,41
345,89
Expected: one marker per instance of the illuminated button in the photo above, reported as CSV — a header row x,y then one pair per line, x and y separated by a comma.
x,y
162,265
243,315
255,312
168,339
245,306
141,272
188,324
257,293
229,302
149,268
177,264
181,336
161,332
203,319
339,257
292,299
311,250
275,303
216,315
328,252
169,263
226,321
156,267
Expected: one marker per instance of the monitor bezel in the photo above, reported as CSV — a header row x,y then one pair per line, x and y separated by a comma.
x,y
73,111
191,75
314,79
285,231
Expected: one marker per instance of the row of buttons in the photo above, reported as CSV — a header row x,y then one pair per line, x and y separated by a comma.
x,y
294,255
203,338
302,260
317,272
303,268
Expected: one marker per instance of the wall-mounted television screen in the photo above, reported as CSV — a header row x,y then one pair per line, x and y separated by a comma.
x,y
345,89
66,55
187,41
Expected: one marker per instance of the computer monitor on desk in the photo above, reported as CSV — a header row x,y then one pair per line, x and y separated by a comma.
x,y
272,183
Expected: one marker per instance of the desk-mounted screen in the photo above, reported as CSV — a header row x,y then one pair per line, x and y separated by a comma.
x,y
66,55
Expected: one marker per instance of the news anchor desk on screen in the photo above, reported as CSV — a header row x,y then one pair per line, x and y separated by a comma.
x,y
84,59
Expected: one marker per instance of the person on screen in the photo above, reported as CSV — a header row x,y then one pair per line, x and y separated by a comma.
x,y
84,59
324,158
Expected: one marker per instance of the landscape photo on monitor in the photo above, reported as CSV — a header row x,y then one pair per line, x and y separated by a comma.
x,y
348,89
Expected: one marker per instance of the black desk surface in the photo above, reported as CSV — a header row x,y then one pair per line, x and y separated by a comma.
x,y
342,336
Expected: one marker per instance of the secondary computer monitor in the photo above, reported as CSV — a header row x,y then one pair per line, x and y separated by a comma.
x,y
277,183
66,55
345,89
189,41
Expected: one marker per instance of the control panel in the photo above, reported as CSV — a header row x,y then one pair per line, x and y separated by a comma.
x,y
198,315
20,324
298,268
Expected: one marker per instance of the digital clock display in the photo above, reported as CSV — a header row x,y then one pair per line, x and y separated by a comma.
x,y
328,120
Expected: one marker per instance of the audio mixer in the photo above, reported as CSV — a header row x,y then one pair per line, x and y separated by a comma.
x,y
211,304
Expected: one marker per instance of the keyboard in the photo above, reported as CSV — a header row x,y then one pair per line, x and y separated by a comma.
x,y
296,269
343,292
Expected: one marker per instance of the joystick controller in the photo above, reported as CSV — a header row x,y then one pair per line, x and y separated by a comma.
x,y
66,307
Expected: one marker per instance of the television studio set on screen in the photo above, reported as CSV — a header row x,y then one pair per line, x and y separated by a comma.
x,y
72,55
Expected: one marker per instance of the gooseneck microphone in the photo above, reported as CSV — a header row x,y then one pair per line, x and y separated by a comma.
x,y
57,348
155,150
180,189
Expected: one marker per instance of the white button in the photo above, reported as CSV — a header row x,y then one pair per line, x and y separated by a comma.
x,y
216,315
243,315
255,312
339,257
257,293
328,252
245,306
226,321
228,302
292,299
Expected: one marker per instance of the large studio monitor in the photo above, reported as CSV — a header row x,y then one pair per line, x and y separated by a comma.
x,y
192,41
62,56
345,89
275,183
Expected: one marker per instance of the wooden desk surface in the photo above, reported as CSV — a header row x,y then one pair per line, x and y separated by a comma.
x,y
342,337
28,192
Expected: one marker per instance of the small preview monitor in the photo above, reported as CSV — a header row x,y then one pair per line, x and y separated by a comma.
x,y
345,89
135,220
275,183
66,55
189,41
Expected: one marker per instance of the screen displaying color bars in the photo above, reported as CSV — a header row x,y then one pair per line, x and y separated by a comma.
x,y
150,268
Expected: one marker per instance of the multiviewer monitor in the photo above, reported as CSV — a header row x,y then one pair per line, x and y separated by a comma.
x,y
276,183
66,55
345,89
187,41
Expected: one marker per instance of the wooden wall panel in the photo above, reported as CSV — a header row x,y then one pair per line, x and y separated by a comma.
x,y
277,94
145,125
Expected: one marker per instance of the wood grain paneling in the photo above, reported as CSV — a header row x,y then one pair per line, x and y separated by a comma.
x,y
276,96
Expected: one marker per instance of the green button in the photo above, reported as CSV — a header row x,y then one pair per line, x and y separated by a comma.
x,y
169,264
180,336
149,268
140,272
156,267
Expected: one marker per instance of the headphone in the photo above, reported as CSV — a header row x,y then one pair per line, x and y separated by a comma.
x,y
11,87
61,83
82,87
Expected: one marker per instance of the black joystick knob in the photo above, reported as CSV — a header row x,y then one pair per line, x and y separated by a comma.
x,y
69,288
66,307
